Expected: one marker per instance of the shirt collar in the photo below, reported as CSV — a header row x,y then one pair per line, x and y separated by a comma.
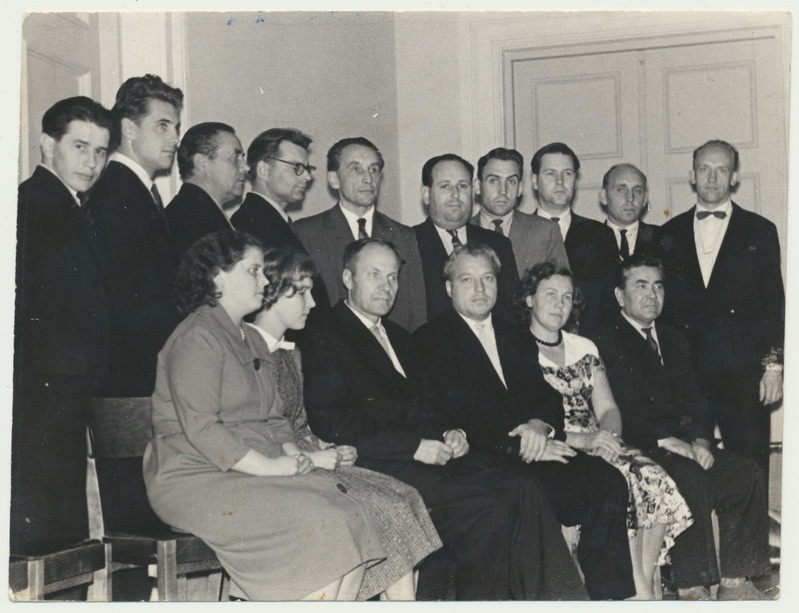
x,y
134,166
639,328
725,207
279,209
55,174
631,229
566,215
271,342
365,320
447,237
487,220
486,324
352,218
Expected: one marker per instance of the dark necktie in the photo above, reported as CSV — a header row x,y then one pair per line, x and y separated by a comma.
x,y
624,250
362,228
555,219
456,242
160,205
497,226
650,340
700,215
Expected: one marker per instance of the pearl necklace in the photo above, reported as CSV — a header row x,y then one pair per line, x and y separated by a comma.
x,y
547,344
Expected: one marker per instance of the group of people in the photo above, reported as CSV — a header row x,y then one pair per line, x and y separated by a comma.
x,y
345,407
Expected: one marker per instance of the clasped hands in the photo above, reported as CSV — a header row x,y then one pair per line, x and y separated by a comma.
x,y
431,451
536,446
698,451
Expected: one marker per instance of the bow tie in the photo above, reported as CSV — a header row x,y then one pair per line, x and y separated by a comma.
x,y
700,215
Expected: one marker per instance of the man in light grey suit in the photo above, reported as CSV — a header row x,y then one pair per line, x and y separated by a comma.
x,y
499,187
355,170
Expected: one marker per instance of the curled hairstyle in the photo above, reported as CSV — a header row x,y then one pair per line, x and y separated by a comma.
x,y
267,143
476,250
284,268
201,139
334,154
634,261
528,286
721,144
353,250
133,101
194,283
562,148
56,120
500,153
427,169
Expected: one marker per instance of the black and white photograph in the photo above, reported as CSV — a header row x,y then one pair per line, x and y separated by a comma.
x,y
433,302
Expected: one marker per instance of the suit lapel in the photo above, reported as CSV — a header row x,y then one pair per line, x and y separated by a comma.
x,y
338,228
468,345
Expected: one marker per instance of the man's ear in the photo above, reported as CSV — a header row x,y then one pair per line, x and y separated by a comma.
x,y
534,182
332,179
692,177
346,278
448,285
734,179
476,186
260,169
619,296
603,196
128,128
426,195
47,144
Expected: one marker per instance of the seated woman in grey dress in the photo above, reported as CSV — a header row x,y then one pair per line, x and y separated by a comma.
x,y
404,526
224,463
571,365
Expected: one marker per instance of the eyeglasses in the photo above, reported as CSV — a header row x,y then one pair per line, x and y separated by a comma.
x,y
299,167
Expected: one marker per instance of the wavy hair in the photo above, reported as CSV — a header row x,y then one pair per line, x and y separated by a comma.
x,y
285,268
528,286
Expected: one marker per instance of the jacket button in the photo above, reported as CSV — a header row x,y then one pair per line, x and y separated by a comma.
x,y
341,488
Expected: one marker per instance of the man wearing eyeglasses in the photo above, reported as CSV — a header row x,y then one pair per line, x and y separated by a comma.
x,y
355,170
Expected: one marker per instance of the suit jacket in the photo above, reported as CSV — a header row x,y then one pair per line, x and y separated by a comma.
x,y
132,237
651,241
657,400
434,256
739,317
469,390
62,303
193,214
327,234
534,240
354,395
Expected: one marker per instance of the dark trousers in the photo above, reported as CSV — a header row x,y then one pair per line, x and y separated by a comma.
x,y
733,486
48,461
501,538
589,492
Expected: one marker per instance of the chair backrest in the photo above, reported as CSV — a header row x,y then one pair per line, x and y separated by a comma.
x,y
120,429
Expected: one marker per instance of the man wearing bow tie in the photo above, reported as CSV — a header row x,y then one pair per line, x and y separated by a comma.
x,y
728,299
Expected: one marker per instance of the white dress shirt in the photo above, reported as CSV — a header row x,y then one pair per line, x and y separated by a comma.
x,y
488,222
632,234
381,331
135,167
352,220
708,236
564,220
446,238
640,329
484,331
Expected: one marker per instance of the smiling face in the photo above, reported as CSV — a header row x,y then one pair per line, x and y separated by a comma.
x,y
242,287
79,156
372,283
642,296
278,180
625,196
473,287
225,174
555,183
153,141
449,196
500,186
713,176
358,178
551,304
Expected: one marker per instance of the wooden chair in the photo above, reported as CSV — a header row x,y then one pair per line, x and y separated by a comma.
x,y
32,576
120,429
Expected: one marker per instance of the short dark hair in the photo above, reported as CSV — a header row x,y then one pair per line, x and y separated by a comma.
x,y
194,283
267,143
615,167
56,119
634,261
427,169
477,250
500,153
285,267
353,250
334,153
723,144
133,100
562,148
528,286
201,139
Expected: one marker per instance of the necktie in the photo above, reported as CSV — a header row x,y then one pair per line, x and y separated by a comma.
x,y
490,348
456,242
700,215
555,219
362,228
650,340
498,226
157,197
289,220
624,250
380,335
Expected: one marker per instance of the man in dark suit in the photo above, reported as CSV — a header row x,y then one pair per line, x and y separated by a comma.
x,y
624,195
488,382
355,170
664,415
499,187
132,235
60,330
365,386
213,167
729,301
589,245
447,192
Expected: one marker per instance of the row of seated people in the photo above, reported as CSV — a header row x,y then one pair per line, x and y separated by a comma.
x,y
100,238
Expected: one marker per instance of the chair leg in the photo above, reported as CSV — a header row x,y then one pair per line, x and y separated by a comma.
x,y
167,579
